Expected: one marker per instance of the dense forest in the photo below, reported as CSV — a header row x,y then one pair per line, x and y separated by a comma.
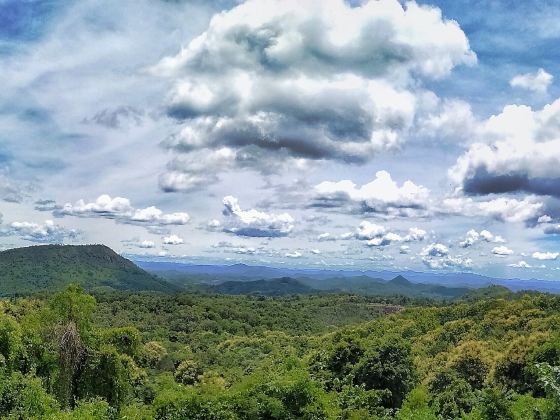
x,y
145,355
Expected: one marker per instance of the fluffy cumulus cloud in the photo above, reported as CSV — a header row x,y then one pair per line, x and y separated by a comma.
x,y
435,250
437,256
446,120
520,264
253,222
146,244
472,237
294,254
172,240
502,250
377,235
535,82
516,151
120,209
48,232
381,196
505,209
304,80
545,256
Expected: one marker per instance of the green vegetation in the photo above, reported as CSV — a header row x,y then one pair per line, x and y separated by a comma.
x,y
123,355
51,267
284,350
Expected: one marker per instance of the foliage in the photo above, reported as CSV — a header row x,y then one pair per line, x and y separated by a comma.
x,y
147,355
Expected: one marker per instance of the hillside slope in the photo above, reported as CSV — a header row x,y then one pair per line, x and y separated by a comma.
x,y
274,287
51,267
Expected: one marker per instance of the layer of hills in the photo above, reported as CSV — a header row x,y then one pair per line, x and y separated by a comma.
x,y
355,285
185,273
51,267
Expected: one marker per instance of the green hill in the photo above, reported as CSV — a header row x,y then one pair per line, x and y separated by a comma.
x,y
274,287
378,287
51,267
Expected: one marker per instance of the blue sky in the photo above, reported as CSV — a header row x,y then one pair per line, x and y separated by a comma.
x,y
378,135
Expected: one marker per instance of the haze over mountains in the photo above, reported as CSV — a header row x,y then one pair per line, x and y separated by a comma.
x,y
51,267
208,273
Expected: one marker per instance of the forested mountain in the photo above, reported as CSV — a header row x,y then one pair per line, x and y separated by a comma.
x,y
51,267
361,285
274,287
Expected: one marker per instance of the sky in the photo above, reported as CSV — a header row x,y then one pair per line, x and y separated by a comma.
x,y
379,135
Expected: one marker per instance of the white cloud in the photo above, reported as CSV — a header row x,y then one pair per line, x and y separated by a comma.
x,y
472,237
103,206
517,150
404,249
544,219
502,250
325,237
520,264
245,250
505,209
120,209
450,120
146,244
536,82
172,240
253,222
377,235
295,254
415,234
382,195
436,257
448,262
214,224
275,81
545,256
48,232
435,250
367,230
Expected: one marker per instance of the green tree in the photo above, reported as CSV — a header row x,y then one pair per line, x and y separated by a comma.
x,y
495,406
387,364
187,372
106,374
71,312
11,345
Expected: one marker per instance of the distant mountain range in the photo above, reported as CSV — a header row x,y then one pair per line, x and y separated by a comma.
x,y
51,267
355,285
180,273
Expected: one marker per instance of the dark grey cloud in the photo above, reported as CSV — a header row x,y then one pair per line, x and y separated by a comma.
x,y
46,205
552,230
483,182
116,117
